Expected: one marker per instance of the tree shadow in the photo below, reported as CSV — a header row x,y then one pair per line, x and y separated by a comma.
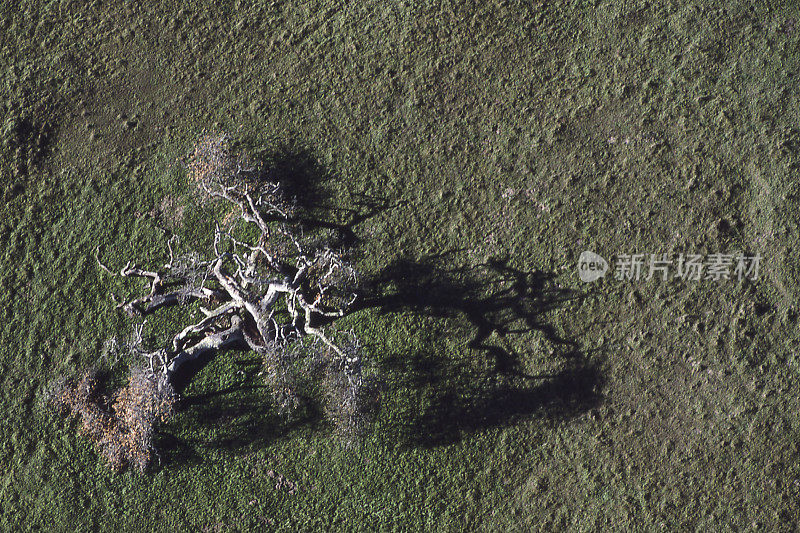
x,y
304,180
496,302
239,418
445,398
488,385
243,419
311,186
453,401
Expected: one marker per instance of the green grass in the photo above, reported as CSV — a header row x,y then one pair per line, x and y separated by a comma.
x,y
484,128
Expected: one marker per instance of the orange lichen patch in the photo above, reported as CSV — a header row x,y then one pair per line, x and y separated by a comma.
x,y
210,159
211,165
122,432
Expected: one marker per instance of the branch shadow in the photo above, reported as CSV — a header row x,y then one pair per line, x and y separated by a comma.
x,y
496,302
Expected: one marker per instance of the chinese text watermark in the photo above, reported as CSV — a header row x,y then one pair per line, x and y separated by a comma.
x,y
693,267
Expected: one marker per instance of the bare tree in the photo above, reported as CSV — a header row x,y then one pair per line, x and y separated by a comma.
x,y
260,286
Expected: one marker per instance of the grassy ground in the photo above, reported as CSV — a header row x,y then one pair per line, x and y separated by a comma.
x,y
483,147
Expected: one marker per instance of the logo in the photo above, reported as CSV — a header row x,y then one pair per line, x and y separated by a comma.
x,y
591,267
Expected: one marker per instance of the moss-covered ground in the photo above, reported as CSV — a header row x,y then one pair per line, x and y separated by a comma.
x,y
468,151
